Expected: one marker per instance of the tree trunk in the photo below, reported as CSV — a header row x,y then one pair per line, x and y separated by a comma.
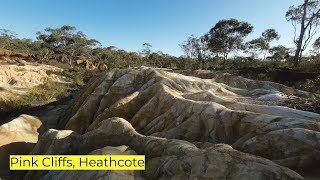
x,y
70,62
225,56
265,54
298,53
300,56
201,60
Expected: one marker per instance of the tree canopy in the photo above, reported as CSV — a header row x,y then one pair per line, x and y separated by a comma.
x,y
67,41
262,43
227,36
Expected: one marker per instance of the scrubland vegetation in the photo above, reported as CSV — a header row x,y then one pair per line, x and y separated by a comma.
x,y
224,46
38,95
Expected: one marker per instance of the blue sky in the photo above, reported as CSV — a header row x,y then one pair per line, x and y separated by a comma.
x,y
127,24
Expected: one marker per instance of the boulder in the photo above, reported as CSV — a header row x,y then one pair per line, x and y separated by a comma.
x,y
18,136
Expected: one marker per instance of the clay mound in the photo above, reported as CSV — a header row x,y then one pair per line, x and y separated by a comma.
x,y
165,159
240,112
15,77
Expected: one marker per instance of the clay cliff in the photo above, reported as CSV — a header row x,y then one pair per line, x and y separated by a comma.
x,y
188,128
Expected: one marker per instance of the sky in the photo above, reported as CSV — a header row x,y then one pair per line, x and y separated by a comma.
x,y
127,24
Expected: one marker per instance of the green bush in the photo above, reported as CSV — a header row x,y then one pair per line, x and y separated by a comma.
x,y
80,75
47,91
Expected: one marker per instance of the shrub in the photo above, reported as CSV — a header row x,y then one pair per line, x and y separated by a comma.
x,y
311,85
47,91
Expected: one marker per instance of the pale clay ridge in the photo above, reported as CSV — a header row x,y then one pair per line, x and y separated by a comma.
x,y
210,118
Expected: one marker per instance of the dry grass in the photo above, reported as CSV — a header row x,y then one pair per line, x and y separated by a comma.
x,y
47,92
11,102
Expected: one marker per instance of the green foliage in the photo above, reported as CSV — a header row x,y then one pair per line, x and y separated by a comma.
x,y
279,52
47,91
146,51
227,36
270,35
262,43
79,75
310,64
62,46
8,40
196,48
255,46
66,41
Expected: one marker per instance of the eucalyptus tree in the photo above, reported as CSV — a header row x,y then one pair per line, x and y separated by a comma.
x,y
268,36
262,43
227,36
305,19
146,50
66,41
279,52
196,48
6,37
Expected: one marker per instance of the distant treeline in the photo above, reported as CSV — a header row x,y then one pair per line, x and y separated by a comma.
x,y
223,46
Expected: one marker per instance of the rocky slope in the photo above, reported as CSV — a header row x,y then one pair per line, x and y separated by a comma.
x,y
188,128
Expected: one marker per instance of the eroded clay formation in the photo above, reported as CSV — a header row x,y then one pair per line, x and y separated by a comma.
x,y
225,127
17,75
18,137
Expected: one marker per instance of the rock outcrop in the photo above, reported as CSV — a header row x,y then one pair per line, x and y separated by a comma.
x,y
18,78
18,136
227,127
18,75
23,82
226,109
165,158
